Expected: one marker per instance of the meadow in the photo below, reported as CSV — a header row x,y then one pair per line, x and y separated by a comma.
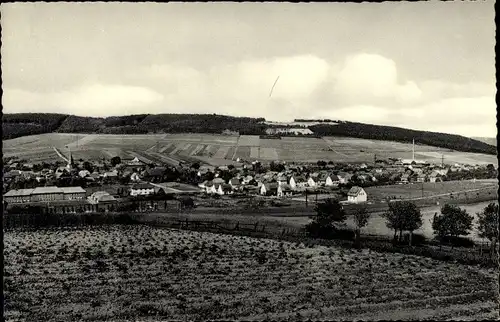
x,y
222,149
146,273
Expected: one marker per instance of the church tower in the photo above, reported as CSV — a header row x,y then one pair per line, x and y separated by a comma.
x,y
70,161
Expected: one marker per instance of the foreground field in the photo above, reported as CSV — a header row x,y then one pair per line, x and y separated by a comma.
x,y
221,149
140,272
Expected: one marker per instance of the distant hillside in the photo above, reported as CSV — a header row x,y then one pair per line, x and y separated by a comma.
x,y
490,141
16,125
390,133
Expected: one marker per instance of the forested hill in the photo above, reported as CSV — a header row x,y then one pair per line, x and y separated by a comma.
x,y
16,125
390,133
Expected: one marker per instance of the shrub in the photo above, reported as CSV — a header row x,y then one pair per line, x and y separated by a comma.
x,y
457,241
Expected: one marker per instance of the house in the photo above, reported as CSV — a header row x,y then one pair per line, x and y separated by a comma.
x,y
135,177
435,177
83,173
421,177
332,180
12,174
235,183
405,178
282,180
18,196
218,181
284,190
311,182
209,187
246,179
95,175
297,182
227,189
111,175
142,189
269,189
218,187
156,173
356,195
101,197
344,177
73,193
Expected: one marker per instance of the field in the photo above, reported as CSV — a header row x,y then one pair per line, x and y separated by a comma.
x,y
427,189
221,149
140,272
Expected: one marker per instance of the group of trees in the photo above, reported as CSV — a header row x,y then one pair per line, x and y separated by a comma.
x,y
21,124
15,125
405,216
379,132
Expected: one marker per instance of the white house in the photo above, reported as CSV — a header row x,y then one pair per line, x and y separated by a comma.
x,y
135,177
269,189
311,182
332,181
210,188
297,182
356,195
218,188
142,189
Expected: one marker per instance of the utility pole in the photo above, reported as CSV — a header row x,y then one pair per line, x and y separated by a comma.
x,y
442,160
413,150
306,197
422,189
374,159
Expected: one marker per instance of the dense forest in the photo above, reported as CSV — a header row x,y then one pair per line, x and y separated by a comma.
x,y
16,125
390,133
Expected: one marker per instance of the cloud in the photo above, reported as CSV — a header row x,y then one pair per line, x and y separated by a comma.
x,y
92,100
370,78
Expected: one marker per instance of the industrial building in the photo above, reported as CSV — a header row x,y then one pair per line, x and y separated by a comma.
x,y
44,194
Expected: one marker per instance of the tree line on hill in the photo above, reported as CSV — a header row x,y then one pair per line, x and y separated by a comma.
x,y
16,125
390,133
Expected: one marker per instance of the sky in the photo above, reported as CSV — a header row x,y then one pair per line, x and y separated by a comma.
x,y
420,65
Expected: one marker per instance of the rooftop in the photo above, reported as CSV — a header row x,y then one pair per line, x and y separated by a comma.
x,y
18,193
44,190
72,190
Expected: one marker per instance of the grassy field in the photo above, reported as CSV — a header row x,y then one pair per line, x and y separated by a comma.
x,y
427,189
220,149
145,273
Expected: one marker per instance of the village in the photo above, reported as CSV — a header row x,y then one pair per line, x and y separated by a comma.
x,y
107,185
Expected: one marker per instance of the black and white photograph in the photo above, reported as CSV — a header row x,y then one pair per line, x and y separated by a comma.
x,y
249,161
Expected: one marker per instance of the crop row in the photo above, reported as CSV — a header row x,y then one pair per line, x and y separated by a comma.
x,y
132,272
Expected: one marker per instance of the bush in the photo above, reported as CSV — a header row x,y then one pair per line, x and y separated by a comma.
x,y
417,239
343,234
457,241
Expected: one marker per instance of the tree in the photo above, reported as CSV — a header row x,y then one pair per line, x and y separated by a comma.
x,y
328,213
452,222
321,163
403,216
488,224
115,161
361,217
209,176
196,166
